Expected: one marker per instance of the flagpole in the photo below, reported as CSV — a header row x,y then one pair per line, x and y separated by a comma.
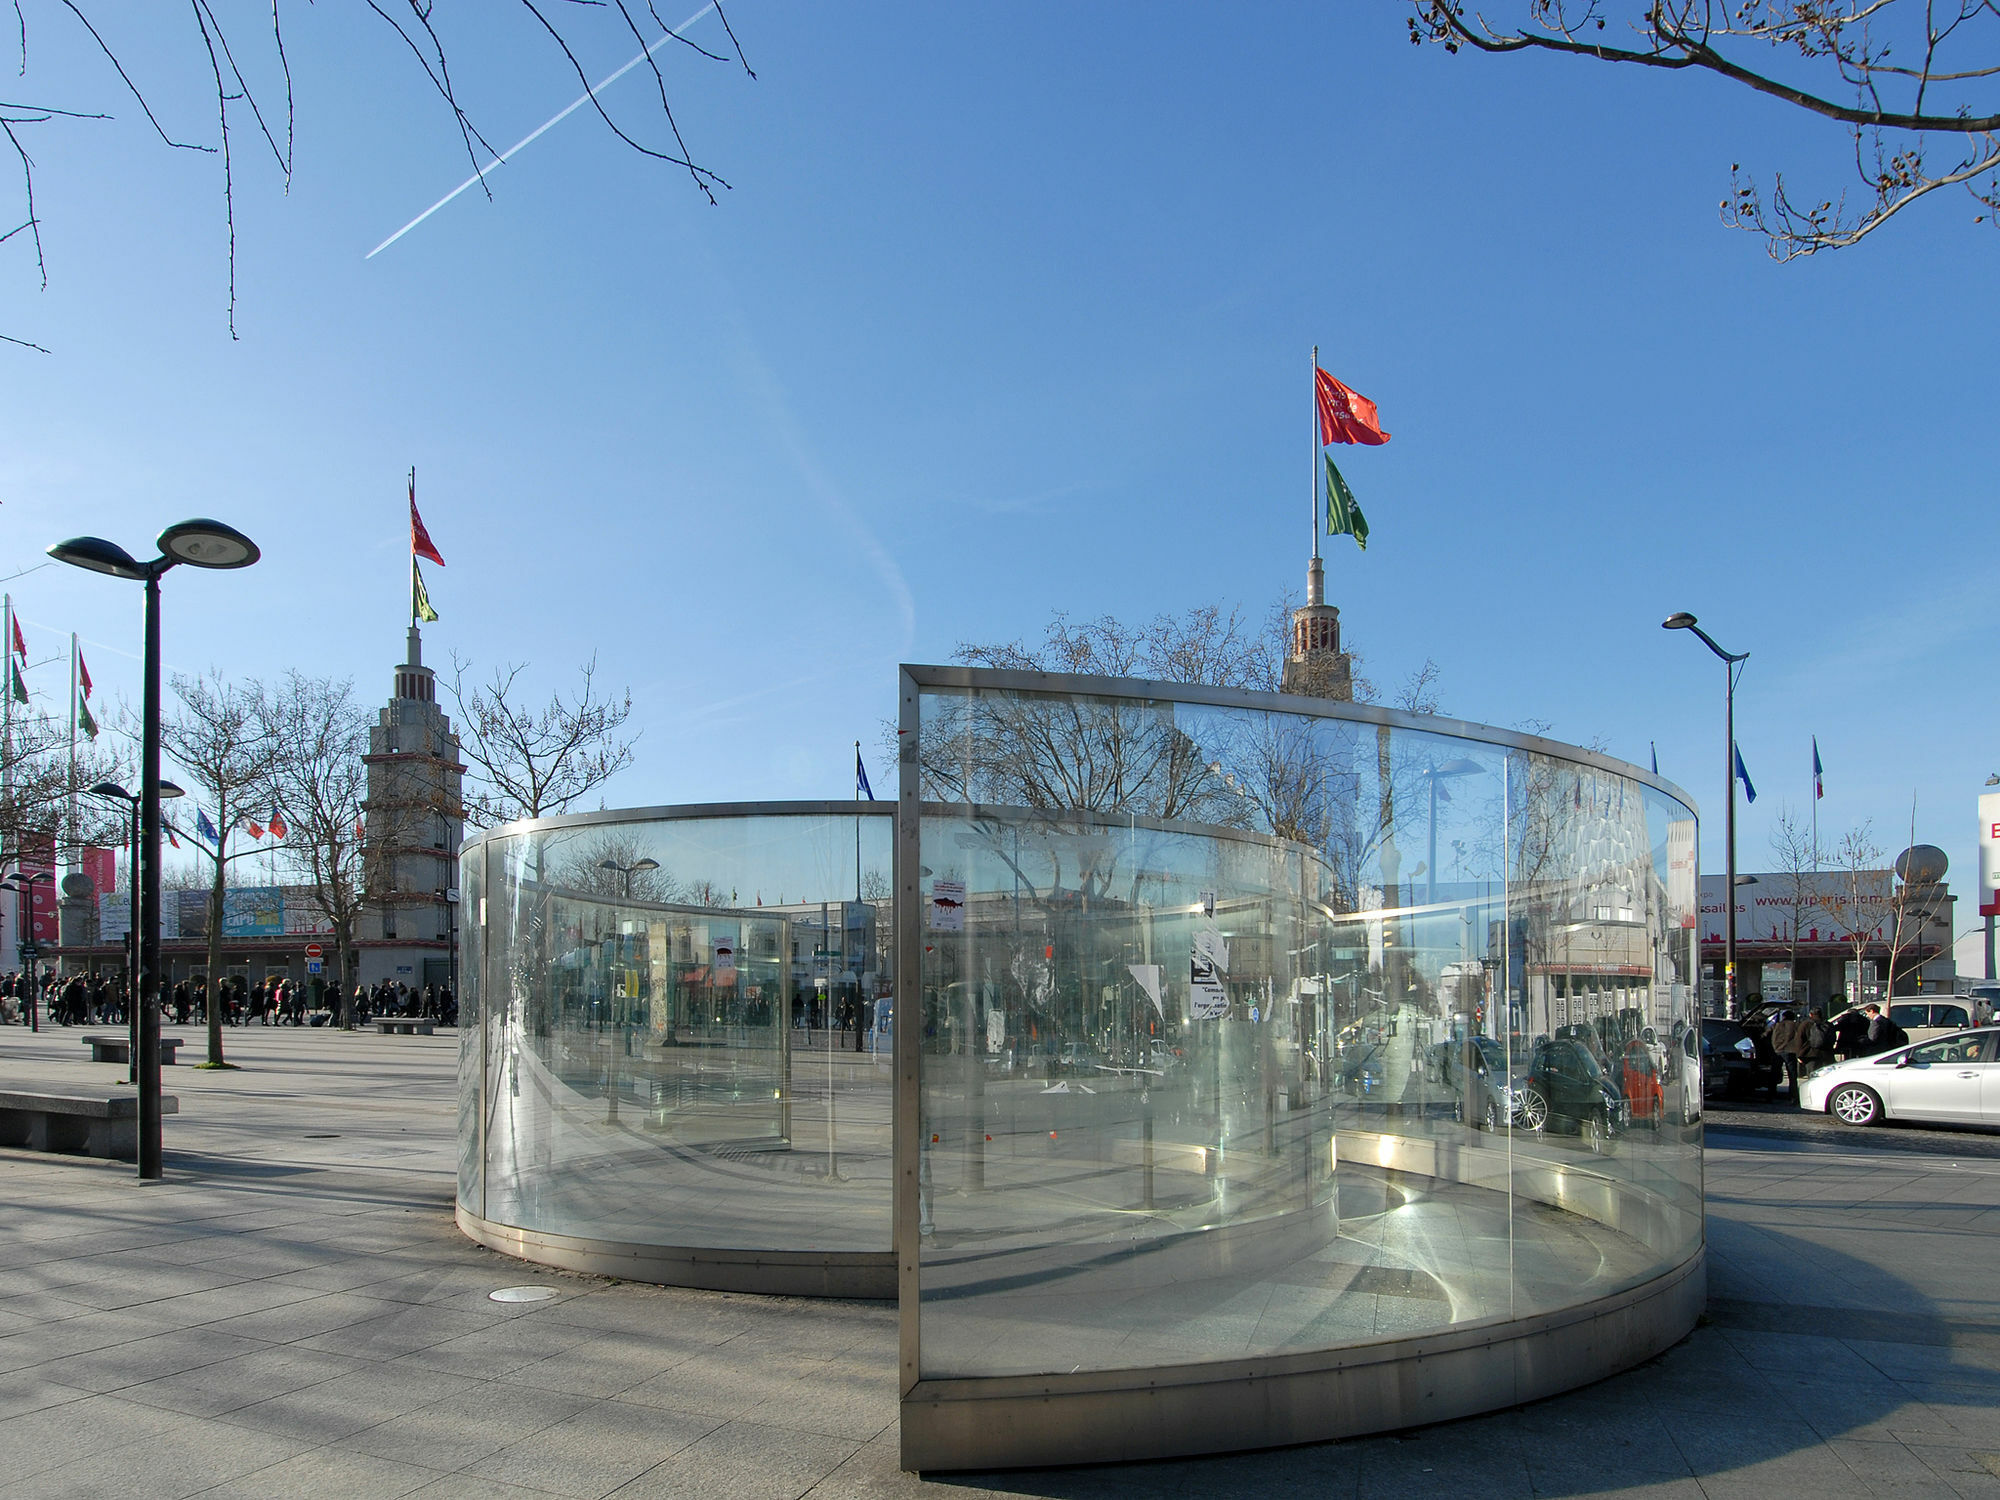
x,y
71,787
1314,488
413,549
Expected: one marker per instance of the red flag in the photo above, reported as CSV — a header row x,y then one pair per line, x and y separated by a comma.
x,y
170,835
84,670
420,539
278,829
359,831
20,645
256,828
1347,416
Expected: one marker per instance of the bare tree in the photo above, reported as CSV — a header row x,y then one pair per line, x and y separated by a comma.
x,y
318,734
1910,81
1798,859
219,735
601,862
1860,900
535,762
247,79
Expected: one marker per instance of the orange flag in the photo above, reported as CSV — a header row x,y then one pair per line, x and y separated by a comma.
x,y
1345,416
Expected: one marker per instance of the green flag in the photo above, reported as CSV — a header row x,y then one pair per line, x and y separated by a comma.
x,y
20,687
1343,512
83,719
420,597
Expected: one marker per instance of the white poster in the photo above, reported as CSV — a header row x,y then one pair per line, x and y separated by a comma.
x,y
947,909
1207,1000
1147,977
1989,853
723,970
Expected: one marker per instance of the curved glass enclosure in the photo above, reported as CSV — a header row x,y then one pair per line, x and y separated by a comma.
x,y
677,1045
1199,1069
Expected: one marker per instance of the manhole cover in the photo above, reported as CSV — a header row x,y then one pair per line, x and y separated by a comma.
x,y
332,1135
523,1294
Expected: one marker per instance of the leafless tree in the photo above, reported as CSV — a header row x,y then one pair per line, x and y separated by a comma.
x,y
599,862
1910,81
535,762
1798,859
218,733
318,734
245,72
1861,899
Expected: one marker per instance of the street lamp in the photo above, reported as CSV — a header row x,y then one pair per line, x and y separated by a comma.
x,y
628,871
111,789
30,949
1730,661
200,544
1460,767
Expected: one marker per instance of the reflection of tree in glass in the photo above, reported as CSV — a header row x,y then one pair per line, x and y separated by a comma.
x,y
596,863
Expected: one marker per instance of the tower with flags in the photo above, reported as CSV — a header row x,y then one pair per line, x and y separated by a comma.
x,y
1315,666
414,814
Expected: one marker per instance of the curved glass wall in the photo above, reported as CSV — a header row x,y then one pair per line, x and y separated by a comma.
x,y
1258,1029
677,1037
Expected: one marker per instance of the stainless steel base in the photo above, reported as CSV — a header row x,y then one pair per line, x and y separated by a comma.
x,y
1027,1421
786,1273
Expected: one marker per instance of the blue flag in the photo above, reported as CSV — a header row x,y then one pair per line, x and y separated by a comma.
x,y
1656,758
861,786
206,829
1743,775
1819,773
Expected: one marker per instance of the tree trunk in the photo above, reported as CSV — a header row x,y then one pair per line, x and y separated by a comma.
x,y
343,940
215,995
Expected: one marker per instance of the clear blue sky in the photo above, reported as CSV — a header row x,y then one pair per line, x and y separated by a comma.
x,y
1009,312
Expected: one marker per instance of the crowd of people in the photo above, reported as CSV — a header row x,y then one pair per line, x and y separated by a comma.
x,y
100,1000
1805,1040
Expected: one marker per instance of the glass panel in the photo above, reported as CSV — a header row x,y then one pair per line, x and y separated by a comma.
x,y
686,1057
1250,1032
472,948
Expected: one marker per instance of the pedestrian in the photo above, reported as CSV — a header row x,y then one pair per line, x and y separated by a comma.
x,y
1850,1034
1884,1035
1788,1040
1818,1037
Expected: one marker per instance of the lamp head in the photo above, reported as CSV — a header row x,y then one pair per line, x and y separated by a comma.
x,y
111,789
610,864
208,544
99,556
1680,621
168,789
1460,767
646,864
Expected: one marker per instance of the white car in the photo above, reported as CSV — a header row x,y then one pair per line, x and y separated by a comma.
x,y
1953,1078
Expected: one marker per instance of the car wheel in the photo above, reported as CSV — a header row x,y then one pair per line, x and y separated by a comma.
x,y
1596,1133
1854,1104
1492,1116
1532,1112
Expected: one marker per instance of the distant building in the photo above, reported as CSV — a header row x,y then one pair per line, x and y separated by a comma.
x,y
1315,666
415,816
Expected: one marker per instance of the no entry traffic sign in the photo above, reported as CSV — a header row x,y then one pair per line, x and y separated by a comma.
x,y
313,950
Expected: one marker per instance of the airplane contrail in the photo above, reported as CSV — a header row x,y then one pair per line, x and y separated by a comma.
x,y
548,124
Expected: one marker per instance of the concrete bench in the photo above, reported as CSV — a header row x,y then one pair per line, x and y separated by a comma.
x,y
104,1125
118,1049
404,1026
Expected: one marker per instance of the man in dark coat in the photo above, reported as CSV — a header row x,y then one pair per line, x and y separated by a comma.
x,y
1884,1035
1788,1040
1850,1034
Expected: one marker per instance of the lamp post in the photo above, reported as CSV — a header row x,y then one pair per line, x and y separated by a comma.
x,y
1730,661
1460,767
31,950
450,894
628,871
112,790
624,1035
200,544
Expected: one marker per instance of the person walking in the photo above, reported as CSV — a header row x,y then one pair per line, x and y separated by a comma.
x,y
1850,1035
1788,1040
1884,1035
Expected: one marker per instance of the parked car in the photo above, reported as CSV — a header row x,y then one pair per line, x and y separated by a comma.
x,y
1924,1019
1565,1089
1736,1060
1953,1078
1475,1070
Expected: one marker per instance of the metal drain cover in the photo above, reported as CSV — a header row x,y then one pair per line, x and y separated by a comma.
x,y
522,1294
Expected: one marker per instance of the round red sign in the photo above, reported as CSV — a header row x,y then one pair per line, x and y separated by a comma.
x,y
313,950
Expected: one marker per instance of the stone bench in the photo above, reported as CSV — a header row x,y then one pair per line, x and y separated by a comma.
x,y
405,1026
118,1049
104,1125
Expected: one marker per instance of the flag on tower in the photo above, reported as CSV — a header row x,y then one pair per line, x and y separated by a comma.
x,y
20,686
83,719
20,645
1345,415
420,597
861,785
420,539
1819,773
83,672
1343,512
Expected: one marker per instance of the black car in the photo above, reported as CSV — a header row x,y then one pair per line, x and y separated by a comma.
x,y
1565,1089
1737,1060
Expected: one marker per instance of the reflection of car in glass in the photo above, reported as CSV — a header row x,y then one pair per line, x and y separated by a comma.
x,y
1954,1078
1737,1061
1638,1078
1565,1089
1363,1069
1475,1071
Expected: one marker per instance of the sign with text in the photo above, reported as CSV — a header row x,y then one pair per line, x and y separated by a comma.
x,y
947,908
1207,999
1989,854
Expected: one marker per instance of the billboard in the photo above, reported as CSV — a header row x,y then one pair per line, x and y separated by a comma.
x,y
1829,907
253,911
1989,854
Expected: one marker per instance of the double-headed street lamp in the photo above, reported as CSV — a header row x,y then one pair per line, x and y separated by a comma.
x,y
1432,774
111,789
24,880
628,871
200,544
1730,662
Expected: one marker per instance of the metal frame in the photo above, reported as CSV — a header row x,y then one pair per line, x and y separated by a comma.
x,y
1170,1411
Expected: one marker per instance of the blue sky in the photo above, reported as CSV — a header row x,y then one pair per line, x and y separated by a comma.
x,y
1009,312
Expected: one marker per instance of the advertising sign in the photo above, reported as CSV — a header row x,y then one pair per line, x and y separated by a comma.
x,y
1989,854
723,961
947,908
1209,962
1681,901
253,911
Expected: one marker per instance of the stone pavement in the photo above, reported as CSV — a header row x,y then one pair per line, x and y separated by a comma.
x,y
292,1313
